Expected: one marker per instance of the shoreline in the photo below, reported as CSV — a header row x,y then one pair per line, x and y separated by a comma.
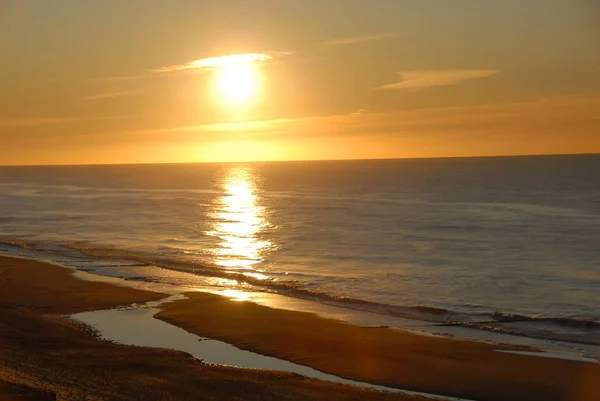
x,y
130,273
392,358
428,364
43,351
138,326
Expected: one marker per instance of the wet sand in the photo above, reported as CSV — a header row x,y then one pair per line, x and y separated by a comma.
x,y
14,392
466,369
43,355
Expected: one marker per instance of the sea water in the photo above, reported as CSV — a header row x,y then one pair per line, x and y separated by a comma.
x,y
507,244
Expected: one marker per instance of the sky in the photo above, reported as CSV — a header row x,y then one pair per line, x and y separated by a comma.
x,y
142,81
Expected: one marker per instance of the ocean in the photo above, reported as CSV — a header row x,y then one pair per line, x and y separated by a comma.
x,y
503,244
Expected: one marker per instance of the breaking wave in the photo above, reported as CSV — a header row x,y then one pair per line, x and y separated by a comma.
x,y
575,329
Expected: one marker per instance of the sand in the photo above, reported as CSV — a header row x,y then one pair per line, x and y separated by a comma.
x,y
466,369
14,392
44,356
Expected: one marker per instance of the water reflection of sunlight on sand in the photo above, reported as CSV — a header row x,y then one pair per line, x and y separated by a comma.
x,y
239,220
236,295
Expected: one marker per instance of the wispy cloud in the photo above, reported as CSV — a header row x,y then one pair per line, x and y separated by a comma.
x,y
25,122
122,78
352,40
435,132
555,116
216,62
431,78
32,121
113,94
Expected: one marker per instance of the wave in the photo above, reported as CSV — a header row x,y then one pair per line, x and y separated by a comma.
x,y
577,322
540,330
293,288
454,227
567,328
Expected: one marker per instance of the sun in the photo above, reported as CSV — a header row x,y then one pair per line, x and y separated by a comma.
x,y
236,84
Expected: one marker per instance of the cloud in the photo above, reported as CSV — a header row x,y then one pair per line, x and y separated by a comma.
x,y
536,116
230,130
122,78
216,62
360,39
27,122
113,94
536,126
560,114
431,78
33,121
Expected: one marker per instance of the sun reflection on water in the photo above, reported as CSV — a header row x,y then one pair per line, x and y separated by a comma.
x,y
239,221
236,295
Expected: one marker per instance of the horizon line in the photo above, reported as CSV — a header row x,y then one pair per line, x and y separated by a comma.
x,y
305,160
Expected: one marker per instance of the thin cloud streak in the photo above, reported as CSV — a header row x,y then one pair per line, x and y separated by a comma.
x,y
124,78
432,78
556,114
26,122
360,39
114,94
216,62
245,128
34,121
415,129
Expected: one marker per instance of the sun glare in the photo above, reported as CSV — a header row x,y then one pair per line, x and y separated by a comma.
x,y
236,84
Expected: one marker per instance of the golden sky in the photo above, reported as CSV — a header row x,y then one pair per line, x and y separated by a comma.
x,y
142,81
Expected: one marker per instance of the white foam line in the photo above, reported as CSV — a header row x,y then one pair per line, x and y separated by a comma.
x,y
543,354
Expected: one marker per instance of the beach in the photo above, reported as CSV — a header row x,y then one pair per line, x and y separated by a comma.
x,y
465,369
300,200
46,356
52,355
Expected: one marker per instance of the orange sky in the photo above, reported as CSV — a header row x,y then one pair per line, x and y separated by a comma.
x,y
134,82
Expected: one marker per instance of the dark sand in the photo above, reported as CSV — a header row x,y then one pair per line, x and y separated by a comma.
x,y
14,392
465,369
43,355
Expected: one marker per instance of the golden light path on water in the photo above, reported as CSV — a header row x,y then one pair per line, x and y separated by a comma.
x,y
239,219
